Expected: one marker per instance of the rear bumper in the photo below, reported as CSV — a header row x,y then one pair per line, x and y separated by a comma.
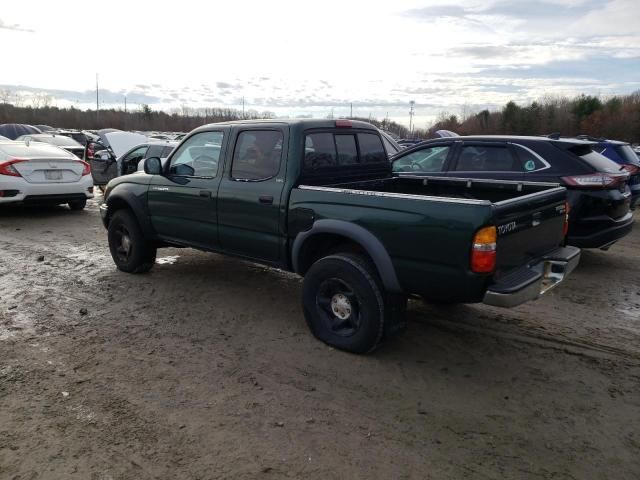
x,y
45,193
531,282
604,237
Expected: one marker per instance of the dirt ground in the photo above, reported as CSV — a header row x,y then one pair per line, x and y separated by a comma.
x,y
204,368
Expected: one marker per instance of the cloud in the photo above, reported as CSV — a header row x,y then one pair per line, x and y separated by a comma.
x,y
481,51
227,85
15,27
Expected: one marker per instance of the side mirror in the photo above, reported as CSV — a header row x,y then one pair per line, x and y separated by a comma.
x,y
153,166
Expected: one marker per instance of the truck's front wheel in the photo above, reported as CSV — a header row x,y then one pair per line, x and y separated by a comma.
x,y
130,251
343,303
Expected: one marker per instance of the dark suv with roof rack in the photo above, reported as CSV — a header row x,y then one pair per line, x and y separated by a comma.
x,y
598,193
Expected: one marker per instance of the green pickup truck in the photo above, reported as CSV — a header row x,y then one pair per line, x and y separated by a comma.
x,y
317,197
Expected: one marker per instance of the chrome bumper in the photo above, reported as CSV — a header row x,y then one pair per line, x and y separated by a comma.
x,y
535,280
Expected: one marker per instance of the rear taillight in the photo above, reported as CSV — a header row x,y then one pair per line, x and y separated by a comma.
x,y
596,180
7,168
483,250
632,169
565,227
86,169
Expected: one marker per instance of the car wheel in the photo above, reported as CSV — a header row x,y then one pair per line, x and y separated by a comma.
x,y
130,251
343,303
78,204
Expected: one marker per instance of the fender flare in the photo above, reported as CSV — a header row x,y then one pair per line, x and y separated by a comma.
x,y
138,209
363,237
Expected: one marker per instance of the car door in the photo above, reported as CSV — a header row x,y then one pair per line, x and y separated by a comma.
x,y
182,202
429,160
249,199
488,160
103,165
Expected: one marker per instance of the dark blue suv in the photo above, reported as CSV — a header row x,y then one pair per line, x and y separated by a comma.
x,y
622,154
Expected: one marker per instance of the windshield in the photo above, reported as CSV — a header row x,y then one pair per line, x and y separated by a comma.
x,y
598,161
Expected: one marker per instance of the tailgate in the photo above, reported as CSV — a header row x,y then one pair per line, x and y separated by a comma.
x,y
528,227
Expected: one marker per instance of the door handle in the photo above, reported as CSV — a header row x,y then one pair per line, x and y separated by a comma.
x,y
266,199
205,193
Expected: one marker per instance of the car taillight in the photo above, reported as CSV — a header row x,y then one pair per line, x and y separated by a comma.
x,y
632,169
7,168
565,227
483,250
86,169
596,180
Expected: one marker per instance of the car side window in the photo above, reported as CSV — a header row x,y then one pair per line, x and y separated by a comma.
x,y
257,155
136,155
371,148
319,151
154,151
198,156
487,158
429,159
530,160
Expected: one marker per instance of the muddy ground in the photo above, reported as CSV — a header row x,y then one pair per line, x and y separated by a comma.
x,y
204,368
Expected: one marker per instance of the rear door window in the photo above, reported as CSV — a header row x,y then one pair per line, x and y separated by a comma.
x,y
320,151
487,158
257,155
155,151
596,160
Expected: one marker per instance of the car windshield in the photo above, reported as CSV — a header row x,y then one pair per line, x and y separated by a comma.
x,y
62,141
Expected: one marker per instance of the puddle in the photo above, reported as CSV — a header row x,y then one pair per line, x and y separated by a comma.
x,y
169,260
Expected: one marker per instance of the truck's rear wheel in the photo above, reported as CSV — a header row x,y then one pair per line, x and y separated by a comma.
x,y
130,251
343,303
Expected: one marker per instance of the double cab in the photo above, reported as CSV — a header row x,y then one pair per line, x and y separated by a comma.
x,y
318,198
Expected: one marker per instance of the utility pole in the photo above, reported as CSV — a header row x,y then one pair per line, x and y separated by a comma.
x,y
411,113
97,100
125,104
243,117
351,110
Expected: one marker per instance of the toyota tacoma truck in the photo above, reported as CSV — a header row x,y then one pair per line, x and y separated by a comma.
x,y
317,197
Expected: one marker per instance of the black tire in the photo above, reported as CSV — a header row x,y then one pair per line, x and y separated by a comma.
x,y
345,283
78,204
130,251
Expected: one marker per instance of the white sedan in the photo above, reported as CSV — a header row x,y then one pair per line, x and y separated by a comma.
x,y
39,173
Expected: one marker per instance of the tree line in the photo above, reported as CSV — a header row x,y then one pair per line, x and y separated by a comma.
x,y
616,117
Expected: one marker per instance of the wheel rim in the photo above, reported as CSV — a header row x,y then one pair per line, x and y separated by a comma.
x,y
339,307
122,243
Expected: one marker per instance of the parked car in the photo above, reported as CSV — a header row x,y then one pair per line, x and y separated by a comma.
x,y
79,136
69,144
40,173
14,130
598,193
316,197
103,154
408,142
133,160
390,144
45,128
622,154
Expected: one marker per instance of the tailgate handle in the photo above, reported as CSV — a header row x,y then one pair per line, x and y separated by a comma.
x,y
536,219
266,199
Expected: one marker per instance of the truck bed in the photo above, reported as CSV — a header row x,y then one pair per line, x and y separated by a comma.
x,y
437,218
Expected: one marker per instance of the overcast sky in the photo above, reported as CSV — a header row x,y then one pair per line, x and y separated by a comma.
x,y
307,58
